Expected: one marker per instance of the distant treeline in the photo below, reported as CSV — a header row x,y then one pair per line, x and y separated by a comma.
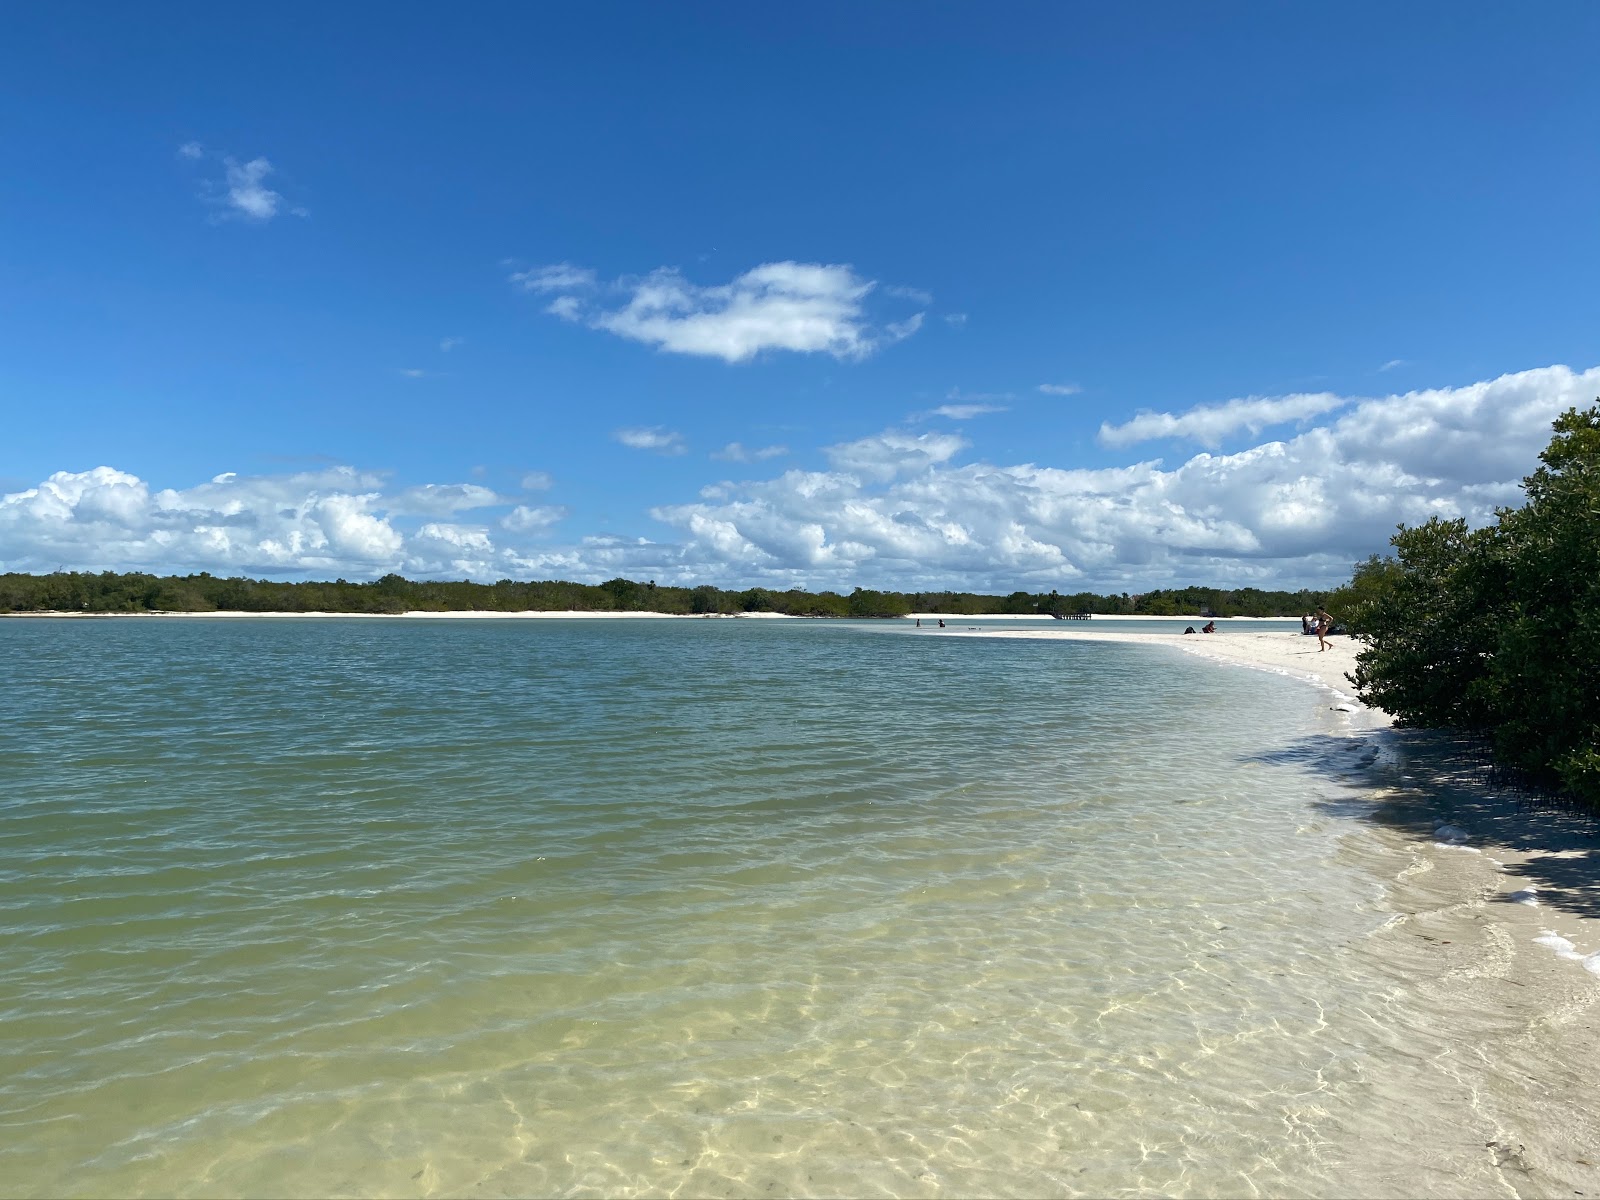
x,y
111,592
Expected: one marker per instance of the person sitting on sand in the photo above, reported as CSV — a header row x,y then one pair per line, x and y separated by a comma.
x,y
1209,627
1189,629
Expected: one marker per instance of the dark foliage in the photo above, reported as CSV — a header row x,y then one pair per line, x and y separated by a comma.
x,y
1497,631
109,592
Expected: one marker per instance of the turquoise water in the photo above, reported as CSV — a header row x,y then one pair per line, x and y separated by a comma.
x,y
368,907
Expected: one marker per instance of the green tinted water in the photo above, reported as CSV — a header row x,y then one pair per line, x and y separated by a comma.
x,y
389,908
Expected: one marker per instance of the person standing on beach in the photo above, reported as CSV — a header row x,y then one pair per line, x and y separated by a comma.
x,y
1324,627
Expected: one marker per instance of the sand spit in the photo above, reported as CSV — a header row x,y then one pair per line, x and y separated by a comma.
x,y
1077,624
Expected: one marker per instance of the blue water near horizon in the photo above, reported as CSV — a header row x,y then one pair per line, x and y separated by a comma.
x,y
376,907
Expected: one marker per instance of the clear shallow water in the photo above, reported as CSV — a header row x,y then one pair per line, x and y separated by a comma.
x,y
700,908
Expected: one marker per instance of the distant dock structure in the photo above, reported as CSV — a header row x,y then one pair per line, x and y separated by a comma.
x,y
1072,616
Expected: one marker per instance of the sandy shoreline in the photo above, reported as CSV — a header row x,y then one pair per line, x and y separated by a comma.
x,y
1495,920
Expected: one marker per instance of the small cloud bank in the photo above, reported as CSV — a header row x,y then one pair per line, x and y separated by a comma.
x,y
334,522
803,308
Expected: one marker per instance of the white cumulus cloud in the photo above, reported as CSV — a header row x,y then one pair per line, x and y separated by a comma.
x,y
799,307
894,452
903,513
1208,424
338,521
896,509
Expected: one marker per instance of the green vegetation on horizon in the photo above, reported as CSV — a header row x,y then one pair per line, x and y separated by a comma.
x,y
133,592
1497,630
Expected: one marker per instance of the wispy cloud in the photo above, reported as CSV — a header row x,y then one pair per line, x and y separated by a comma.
x,y
913,294
804,308
965,412
735,452
242,193
450,343
248,194
898,331
442,499
957,319
558,277
1060,389
537,481
964,406
416,373
1394,364
524,517
656,438
1208,424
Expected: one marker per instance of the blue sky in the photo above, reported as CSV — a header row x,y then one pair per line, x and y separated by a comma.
x,y
551,261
